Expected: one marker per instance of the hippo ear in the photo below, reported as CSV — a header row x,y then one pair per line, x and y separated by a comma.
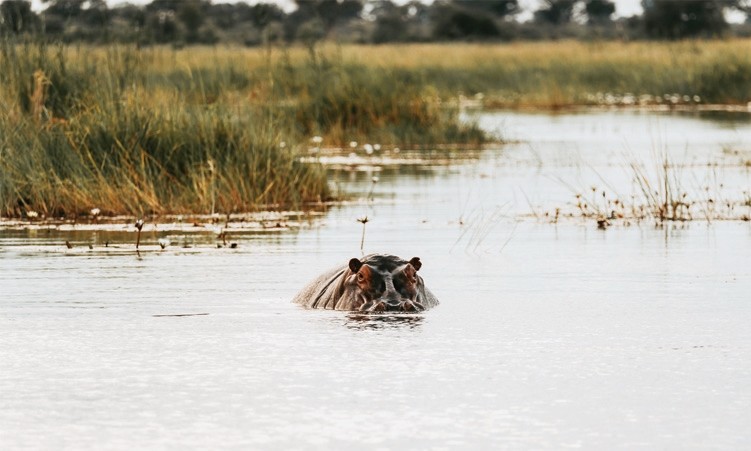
x,y
355,265
416,263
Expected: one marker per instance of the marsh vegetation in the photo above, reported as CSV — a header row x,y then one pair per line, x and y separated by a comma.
x,y
226,129
198,130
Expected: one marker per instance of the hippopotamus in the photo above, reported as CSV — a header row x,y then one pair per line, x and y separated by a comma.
x,y
374,283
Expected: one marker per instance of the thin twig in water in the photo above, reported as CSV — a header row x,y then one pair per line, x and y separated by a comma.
x,y
531,207
364,220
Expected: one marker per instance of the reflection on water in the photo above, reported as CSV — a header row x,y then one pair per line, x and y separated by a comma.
x,y
359,321
547,335
725,119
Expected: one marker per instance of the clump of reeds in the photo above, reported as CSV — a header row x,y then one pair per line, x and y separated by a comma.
x,y
660,195
115,139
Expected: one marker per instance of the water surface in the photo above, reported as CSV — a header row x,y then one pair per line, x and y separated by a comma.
x,y
547,336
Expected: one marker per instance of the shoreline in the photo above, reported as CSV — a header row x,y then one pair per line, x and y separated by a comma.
x,y
578,108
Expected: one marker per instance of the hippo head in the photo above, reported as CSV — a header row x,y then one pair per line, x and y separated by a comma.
x,y
386,285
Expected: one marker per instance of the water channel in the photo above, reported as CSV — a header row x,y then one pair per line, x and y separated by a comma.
x,y
550,334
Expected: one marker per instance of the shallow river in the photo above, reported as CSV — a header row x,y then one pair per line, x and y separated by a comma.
x,y
547,336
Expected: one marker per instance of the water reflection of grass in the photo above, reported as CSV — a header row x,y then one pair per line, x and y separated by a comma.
x,y
174,234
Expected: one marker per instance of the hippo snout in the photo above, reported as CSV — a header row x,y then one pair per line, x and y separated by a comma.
x,y
392,305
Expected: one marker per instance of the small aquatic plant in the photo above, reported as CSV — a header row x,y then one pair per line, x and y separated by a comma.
x,y
602,223
139,226
660,195
363,220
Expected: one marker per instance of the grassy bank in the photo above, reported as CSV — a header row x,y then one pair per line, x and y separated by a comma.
x,y
524,74
199,130
554,74
159,130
